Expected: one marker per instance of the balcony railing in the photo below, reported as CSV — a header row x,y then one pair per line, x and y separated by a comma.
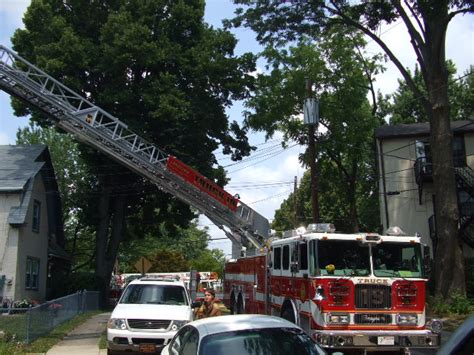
x,y
423,170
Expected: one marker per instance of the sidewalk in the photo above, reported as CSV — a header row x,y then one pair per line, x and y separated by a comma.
x,y
83,340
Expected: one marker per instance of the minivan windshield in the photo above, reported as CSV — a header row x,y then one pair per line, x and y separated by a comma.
x,y
154,294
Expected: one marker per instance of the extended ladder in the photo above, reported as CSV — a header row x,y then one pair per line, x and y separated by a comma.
x,y
104,132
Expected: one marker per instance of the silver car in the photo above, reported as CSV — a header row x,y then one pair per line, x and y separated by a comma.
x,y
242,335
461,341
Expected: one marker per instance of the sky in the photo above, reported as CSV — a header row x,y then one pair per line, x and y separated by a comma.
x,y
265,179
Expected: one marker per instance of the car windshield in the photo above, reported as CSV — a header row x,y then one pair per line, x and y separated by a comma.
x,y
271,341
154,294
397,259
342,258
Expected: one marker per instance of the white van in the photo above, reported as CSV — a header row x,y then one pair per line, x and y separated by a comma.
x,y
147,315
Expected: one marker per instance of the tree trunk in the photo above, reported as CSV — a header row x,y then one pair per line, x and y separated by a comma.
x,y
118,231
449,262
101,240
449,266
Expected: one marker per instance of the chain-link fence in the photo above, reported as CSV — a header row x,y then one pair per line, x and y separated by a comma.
x,y
27,324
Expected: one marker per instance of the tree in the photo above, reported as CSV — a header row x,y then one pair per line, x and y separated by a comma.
x,y
278,23
158,67
346,168
404,107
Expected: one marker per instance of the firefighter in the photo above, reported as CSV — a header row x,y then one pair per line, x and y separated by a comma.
x,y
209,307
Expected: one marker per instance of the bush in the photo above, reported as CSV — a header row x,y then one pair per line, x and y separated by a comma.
x,y
459,304
456,305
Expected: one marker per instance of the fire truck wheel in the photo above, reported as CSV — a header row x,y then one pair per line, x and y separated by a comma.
x,y
288,314
232,303
240,304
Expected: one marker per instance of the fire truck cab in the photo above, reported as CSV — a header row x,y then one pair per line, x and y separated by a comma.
x,y
350,292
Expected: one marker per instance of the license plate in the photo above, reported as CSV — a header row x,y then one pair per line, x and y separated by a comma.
x,y
386,340
147,348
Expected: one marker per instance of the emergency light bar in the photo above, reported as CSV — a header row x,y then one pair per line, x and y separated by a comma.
x,y
395,231
321,228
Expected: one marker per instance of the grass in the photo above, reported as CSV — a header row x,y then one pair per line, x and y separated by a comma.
x,y
46,342
103,340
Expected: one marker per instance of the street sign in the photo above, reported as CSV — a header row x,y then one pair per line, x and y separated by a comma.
x,y
143,265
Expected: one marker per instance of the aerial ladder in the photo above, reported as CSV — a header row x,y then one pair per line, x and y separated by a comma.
x,y
107,134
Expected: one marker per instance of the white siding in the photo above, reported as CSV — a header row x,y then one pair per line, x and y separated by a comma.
x,y
32,244
8,244
404,209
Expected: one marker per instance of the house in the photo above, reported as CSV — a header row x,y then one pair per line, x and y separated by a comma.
x,y
406,191
31,230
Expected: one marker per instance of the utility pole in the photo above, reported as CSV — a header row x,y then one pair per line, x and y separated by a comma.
x,y
311,116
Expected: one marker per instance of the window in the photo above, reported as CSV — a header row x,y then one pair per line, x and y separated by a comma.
x,y
36,216
277,258
32,273
303,256
286,257
459,153
423,151
154,294
185,342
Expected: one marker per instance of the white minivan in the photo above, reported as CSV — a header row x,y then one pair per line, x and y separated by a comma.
x,y
147,315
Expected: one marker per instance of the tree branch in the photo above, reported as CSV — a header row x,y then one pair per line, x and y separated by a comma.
x,y
409,80
462,11
416,17
416,41
368,73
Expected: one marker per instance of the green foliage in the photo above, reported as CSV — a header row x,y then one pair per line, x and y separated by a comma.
x,y
168,261
405,107
80,280
457,304
172,252
210,260
345,153
158,67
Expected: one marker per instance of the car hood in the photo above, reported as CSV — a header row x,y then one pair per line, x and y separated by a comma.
x,y
152,311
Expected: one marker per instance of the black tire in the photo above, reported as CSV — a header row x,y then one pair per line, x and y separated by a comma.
x,y
240,304
288,314
232,303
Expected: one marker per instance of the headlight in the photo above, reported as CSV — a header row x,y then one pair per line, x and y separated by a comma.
x,y
435,325
338,318
115,323
407,319
178,324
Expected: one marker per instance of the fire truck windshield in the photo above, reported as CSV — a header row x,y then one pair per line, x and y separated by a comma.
x,y
397,260
341,258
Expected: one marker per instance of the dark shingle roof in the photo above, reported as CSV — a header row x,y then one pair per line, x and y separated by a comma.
x,y
419,129
18,163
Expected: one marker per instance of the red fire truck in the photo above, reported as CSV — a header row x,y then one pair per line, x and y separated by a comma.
x,y
351,292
